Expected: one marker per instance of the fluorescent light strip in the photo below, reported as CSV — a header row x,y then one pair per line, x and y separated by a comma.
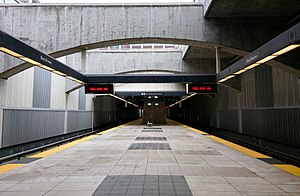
x,y
252,66
183,99
241,71
10,52
266,59
46,67
75,80
112,95
30,61
59,73
227,78
286,49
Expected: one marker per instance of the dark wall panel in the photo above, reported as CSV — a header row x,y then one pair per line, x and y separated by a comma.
x,y
229,120
264,86
280,125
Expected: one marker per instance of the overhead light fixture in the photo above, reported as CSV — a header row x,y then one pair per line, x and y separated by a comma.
x,y
262,61
46,67
227,78
75,80
112,95
286,49
10,52
30,61
183,99
59,73
241,71
252,66
71,78
266,59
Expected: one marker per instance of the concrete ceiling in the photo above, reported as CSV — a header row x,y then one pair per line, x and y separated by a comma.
x,y
253,8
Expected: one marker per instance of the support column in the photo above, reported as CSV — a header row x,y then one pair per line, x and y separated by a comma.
x,y
66,114
218,59
83,61
1,126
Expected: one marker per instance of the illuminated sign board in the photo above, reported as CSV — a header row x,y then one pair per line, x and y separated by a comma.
x,y
99,88
202,88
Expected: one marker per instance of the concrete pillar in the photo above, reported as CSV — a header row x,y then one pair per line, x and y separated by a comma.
x,y
83,61
1,126
179,104
126,104
218,59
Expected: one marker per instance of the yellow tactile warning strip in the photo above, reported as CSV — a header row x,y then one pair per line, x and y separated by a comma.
x,y
239,148
286,167
114,128
289,168
10,166
62,147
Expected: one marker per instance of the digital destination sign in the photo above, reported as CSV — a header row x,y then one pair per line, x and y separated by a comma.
x,y
202,88
99,88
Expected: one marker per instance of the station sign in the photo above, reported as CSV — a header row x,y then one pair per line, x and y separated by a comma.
x,y
202,88
99,88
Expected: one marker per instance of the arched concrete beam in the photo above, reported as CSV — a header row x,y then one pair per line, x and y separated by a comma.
x,y
65,29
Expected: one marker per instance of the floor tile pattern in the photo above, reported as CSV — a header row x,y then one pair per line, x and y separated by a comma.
x,y
132,185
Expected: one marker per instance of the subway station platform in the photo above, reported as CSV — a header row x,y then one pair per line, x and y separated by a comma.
x,y
134,159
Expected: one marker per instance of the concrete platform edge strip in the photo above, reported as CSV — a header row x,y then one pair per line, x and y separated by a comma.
x,y
13,165
281,165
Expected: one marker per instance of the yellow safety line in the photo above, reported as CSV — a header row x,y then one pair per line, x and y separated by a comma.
x,y
187,127
289,168
286,167
62,147
114,128
8,167
242,149
227,143
68,145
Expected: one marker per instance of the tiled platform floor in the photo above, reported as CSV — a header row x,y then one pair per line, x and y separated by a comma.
x,y
105,165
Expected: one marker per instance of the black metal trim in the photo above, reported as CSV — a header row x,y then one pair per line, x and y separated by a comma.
x,y
25,50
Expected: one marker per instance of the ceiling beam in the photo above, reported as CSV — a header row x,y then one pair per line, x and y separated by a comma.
x,y
152,78
21,50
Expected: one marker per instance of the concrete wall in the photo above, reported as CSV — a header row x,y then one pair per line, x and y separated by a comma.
x,y
66,29
109,62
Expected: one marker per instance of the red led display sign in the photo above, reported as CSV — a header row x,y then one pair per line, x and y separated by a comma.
x,y
99,88
202,88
